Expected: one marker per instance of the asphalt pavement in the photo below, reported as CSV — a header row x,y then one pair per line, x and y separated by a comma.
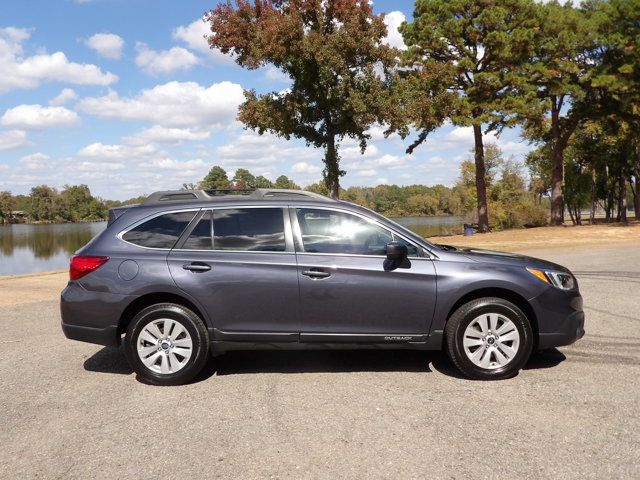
x,y
73,410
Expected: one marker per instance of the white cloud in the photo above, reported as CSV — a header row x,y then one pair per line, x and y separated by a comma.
x,y
27,117
164,62
305,167
172,136
65,96
272,73
19,71
173,104
250,148
108,45
393,20
10,139
35,161
193,35
100,151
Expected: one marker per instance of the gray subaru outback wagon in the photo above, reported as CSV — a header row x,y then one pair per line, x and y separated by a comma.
x,y
188,273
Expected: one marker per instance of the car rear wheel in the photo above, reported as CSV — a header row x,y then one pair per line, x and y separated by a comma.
x,y
167,344
489,338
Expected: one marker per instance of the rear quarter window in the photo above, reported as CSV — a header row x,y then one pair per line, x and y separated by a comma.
x,y
159,232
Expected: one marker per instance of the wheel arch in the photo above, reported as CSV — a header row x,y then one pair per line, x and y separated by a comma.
x,y
505,294
149,299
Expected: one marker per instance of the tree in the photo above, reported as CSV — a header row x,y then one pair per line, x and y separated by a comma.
x,y
44,203
6,207
484,41
243,178
334,55
263,182
216,178
559,73
283,182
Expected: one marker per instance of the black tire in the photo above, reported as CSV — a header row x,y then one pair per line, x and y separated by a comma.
x,y
189,321
465,315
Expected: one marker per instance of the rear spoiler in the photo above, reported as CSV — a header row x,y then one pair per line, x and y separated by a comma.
x,y
115,212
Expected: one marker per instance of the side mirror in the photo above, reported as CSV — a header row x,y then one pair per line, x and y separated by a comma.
x,y
396,256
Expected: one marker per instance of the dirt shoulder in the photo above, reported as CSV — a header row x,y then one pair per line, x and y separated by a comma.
x,y
38,287
549,237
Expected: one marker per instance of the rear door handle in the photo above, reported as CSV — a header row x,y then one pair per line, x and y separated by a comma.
x,y
315,273
197,267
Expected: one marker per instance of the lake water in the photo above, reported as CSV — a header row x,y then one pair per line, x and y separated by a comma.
x,y
40,248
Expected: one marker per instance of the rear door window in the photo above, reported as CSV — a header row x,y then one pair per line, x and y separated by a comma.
x,y
159,232
249,229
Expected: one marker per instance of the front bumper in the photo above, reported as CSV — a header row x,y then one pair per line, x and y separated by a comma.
x,y
560,317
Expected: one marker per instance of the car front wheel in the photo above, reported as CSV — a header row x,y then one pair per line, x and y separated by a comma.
x,y
166,344
489,338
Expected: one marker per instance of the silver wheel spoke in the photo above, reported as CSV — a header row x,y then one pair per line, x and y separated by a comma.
x,y
177,330
477,355
500,358
484,362
145,351
508,351
183,352
175,363
164,363
510,336
154,330
183,342
166,327
146,336
482,323
493,322
472,332
472,342
505,327
151,360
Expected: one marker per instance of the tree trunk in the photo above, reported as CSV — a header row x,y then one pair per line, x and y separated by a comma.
x,y
636,198
481,183
592,213
636,193
557,166
622,199
331,167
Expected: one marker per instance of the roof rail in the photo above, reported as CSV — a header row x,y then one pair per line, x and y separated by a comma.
x,y
227,194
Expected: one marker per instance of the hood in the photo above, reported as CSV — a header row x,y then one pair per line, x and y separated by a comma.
x,y
503,258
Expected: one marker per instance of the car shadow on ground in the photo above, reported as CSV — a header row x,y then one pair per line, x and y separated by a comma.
x,y
112,360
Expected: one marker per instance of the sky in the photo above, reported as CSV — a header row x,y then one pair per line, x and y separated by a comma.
x,y
126,97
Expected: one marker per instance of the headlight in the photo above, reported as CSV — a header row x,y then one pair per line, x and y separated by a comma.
x,y
561,280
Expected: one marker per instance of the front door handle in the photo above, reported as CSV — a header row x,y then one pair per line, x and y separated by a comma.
x,y
315,273
197,267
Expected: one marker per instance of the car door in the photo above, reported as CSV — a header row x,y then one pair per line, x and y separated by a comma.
x,y
345,293
239,263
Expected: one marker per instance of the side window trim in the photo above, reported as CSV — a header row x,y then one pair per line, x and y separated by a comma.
x,y
120,235
299,245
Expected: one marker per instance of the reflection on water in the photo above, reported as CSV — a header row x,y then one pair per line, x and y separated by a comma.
x,y
35,248
39,248
432,226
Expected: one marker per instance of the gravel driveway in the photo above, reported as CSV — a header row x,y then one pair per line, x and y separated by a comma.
x,y
73,410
